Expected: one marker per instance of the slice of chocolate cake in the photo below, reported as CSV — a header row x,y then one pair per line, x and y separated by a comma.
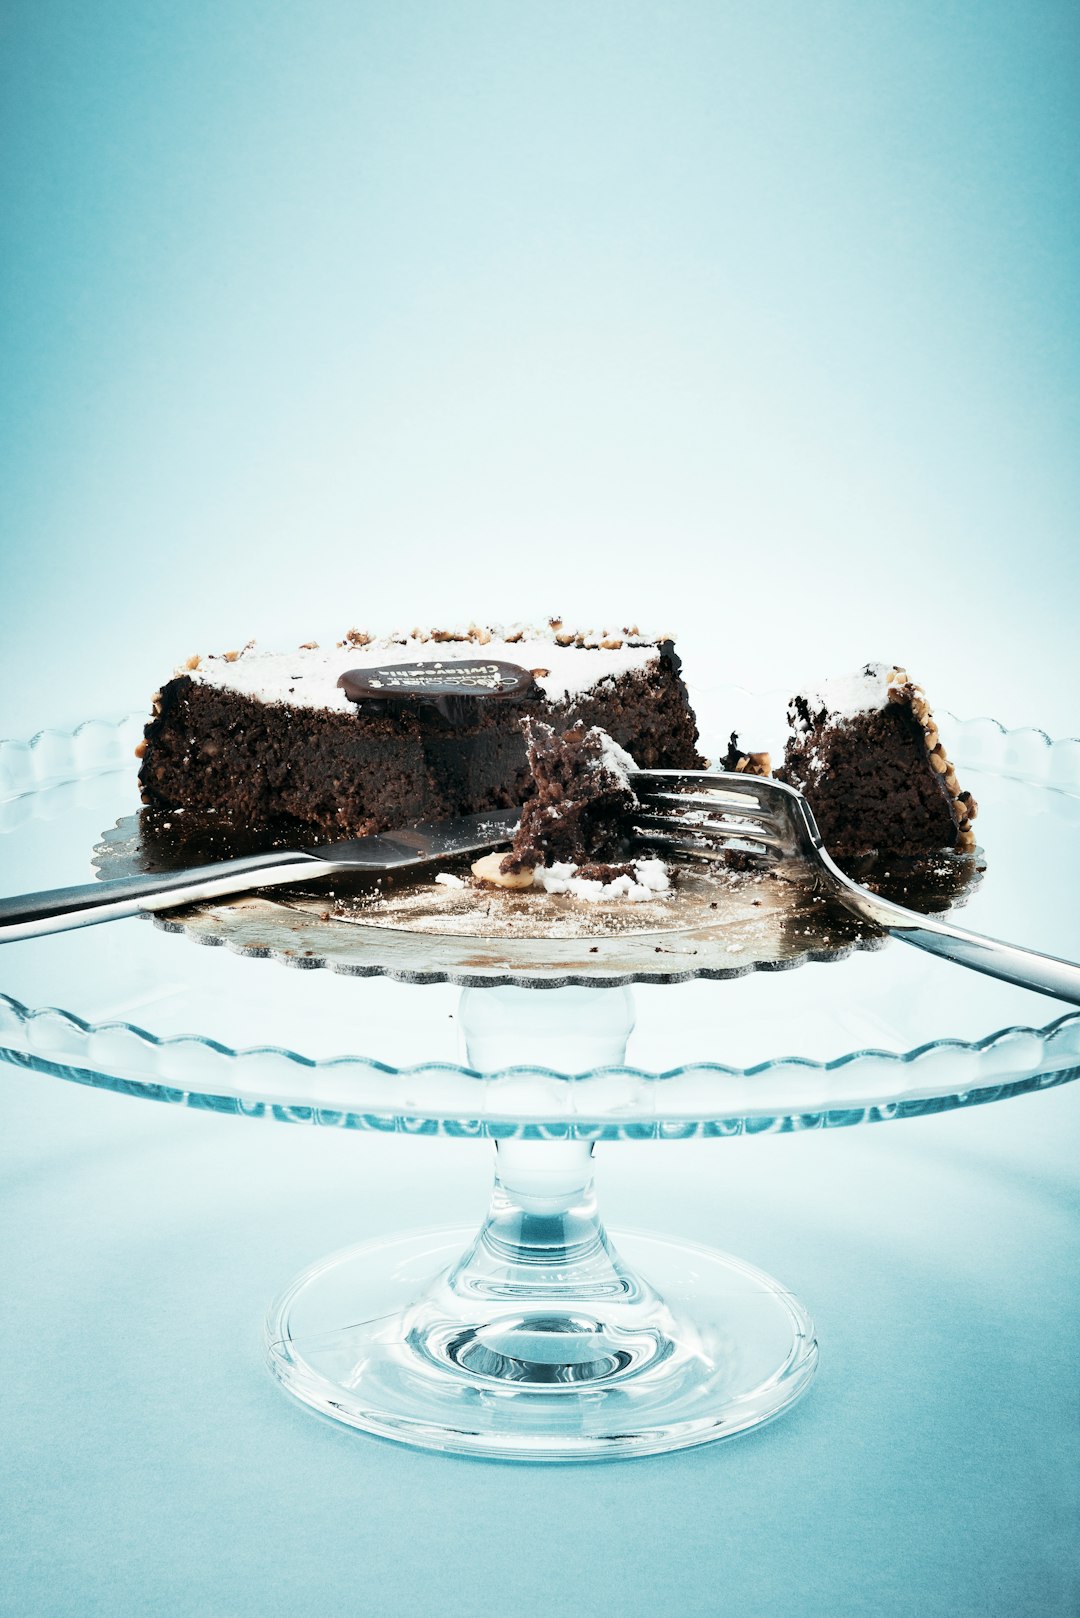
x,y
866,753
374,733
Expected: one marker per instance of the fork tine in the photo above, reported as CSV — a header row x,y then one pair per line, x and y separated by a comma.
x,y
714,854
733,804
711,780
716,831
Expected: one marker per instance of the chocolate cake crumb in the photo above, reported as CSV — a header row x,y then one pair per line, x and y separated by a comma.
x,y
582,795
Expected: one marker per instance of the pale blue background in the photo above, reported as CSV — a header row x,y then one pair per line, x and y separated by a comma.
x,y
753,321
757,321
152,1466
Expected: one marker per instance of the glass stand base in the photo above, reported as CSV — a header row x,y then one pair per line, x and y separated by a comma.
x,y
405,1339
539,1339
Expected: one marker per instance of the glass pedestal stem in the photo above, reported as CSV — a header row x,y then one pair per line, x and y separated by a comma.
x,y
541,1297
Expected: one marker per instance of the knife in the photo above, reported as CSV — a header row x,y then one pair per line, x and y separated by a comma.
x,y
29,915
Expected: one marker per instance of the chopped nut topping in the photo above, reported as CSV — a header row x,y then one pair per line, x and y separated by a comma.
x,y
489,870
355,637
938,762
539,674
140,748
231,657
753,764
612,644
193,661
309,646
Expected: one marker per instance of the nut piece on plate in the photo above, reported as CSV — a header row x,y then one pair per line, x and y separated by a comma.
x,y
739,762
489,870
754,764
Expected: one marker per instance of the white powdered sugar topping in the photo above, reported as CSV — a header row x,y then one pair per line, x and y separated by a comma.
x,y
447,879
613,758
307,678
650,879
850,695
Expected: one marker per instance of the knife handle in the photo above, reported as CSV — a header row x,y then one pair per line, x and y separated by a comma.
x,y
30,915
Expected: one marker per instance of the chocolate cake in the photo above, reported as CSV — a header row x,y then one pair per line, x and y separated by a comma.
x,y
866,753
572,838
582,794
373,733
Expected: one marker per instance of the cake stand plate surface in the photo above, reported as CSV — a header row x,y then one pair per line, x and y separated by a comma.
x,y
543,1338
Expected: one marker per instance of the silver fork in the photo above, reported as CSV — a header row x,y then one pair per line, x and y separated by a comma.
x,y
735,812
705,816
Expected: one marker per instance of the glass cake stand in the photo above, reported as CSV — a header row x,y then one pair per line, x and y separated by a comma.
x,y
539,1337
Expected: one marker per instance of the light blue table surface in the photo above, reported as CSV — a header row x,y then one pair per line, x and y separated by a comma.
x,y
151,1465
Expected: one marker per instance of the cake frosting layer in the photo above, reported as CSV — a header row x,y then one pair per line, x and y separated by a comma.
x,y
847,695
308,677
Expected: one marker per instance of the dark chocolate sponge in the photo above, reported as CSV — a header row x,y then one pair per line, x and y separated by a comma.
x,y
878,781
582,796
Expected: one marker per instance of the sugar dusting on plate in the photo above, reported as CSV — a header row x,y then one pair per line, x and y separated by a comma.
x,y
752,909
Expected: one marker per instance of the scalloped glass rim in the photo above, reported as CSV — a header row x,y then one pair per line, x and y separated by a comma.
x,y
1058,1041
681,1100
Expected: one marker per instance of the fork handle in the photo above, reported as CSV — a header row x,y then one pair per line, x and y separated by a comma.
x,y
1046,974
1027,968
31,914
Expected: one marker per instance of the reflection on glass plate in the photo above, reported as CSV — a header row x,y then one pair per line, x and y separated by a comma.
x,y
715,922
